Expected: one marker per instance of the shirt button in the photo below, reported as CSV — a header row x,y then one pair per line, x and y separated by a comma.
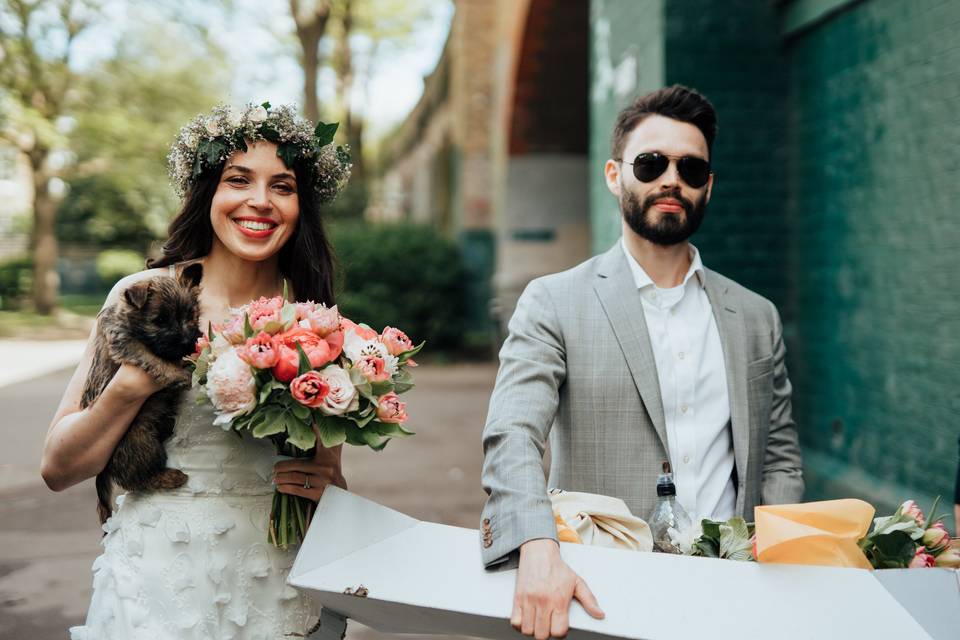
x,y
686,459
673,312
681,355
683,408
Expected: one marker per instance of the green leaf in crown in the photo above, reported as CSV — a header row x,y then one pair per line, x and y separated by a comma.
x,y
324,133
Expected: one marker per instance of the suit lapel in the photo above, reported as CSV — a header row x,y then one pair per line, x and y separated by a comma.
x,y
732,328
624,309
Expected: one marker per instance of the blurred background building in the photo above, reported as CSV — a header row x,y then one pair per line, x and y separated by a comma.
x,y
838,173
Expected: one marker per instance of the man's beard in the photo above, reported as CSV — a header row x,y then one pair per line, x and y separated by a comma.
x,y
671,229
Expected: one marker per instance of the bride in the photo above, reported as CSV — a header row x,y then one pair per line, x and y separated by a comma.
x,y
195,562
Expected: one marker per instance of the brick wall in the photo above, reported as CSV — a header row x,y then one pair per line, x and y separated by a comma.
x,y
875,168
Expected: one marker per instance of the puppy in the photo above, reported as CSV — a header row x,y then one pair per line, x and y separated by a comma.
x,y
154,325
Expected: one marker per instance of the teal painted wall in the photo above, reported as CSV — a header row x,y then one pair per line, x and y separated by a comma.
x,y
731,53
875,180
626,59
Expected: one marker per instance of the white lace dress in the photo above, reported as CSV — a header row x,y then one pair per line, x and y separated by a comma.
x,y
195,563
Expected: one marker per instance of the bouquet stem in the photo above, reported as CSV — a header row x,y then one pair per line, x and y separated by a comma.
x,y
289,515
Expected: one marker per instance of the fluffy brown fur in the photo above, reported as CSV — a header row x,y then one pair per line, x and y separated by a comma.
x,y
154,325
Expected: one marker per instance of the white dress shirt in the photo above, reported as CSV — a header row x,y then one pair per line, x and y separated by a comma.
x,y
693,387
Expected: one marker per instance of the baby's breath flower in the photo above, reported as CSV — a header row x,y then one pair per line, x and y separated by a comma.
x,y
207,140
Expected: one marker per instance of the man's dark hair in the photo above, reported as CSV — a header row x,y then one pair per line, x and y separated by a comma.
x,y
676,102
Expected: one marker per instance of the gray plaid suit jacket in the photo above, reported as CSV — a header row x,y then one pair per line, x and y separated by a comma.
x,y
578,367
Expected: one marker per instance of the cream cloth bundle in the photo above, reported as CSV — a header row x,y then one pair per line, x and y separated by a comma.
x,y
601,521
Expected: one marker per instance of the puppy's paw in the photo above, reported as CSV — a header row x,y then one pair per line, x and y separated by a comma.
x,y
170,375
167,479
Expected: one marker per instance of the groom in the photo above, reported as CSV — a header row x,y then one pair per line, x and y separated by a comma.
x,y
636,356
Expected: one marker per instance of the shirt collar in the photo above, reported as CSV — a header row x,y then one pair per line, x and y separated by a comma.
x,y
643,280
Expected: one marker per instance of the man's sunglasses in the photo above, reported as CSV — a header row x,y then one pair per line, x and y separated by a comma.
x,y
647,167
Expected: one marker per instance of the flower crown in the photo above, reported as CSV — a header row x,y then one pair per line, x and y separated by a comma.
x,y
207,140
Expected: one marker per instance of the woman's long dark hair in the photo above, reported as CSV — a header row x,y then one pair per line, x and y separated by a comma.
x,y
306,260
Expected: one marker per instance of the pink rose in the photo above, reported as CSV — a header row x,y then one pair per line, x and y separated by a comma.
x,y
202,343
318,318
363,331
288,364
911,509
231,387
391,410
319,351
260,351
949,557
395,340
922,559
309,389
373,368
343,396
936,538
232,330
264,311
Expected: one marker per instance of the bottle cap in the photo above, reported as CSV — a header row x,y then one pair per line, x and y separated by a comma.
x,y
665,486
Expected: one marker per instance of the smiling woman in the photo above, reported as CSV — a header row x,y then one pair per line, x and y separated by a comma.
x,y
192,562
256,206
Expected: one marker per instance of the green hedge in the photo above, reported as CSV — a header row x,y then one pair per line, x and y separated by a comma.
x,y
405,276
16,281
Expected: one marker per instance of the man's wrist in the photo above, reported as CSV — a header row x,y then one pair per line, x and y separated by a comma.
x,y
540,545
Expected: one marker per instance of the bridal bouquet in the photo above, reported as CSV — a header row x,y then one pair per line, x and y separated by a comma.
x,y
278,369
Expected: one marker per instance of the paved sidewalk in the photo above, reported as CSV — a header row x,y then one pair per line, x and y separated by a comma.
x,y
22,360
49,540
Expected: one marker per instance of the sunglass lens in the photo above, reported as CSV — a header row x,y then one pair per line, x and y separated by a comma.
x,y
694,171
647,167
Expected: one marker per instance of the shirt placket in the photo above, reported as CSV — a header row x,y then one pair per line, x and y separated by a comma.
x,y
686,410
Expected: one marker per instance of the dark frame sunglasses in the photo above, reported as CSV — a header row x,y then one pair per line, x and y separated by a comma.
x,y
649,166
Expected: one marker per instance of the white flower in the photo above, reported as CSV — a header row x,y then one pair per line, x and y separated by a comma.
x,y
257,114
231,388
234,117
684,540
212,127
219,346
357,349
343,396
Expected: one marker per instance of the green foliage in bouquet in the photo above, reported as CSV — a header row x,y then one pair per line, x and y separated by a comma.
x,y
893,541
730,540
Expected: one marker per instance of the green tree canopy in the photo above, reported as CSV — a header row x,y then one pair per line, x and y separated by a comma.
x,y
130,107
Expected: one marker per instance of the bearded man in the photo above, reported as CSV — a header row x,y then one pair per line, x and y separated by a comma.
x,y
634,357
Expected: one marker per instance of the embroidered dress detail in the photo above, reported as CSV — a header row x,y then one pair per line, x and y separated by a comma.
x,y
194,563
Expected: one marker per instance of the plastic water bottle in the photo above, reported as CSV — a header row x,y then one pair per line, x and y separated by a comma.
x,y
668,514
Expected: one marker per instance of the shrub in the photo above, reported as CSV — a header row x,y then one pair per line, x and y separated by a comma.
x,y
114,264
402,275
16,281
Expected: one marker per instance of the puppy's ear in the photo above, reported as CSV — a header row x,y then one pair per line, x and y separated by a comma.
x,y
136,295
192,274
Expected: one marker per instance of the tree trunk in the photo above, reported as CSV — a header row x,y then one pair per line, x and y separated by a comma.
x,y
310,30
353,125
355,140
46,282
311,62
